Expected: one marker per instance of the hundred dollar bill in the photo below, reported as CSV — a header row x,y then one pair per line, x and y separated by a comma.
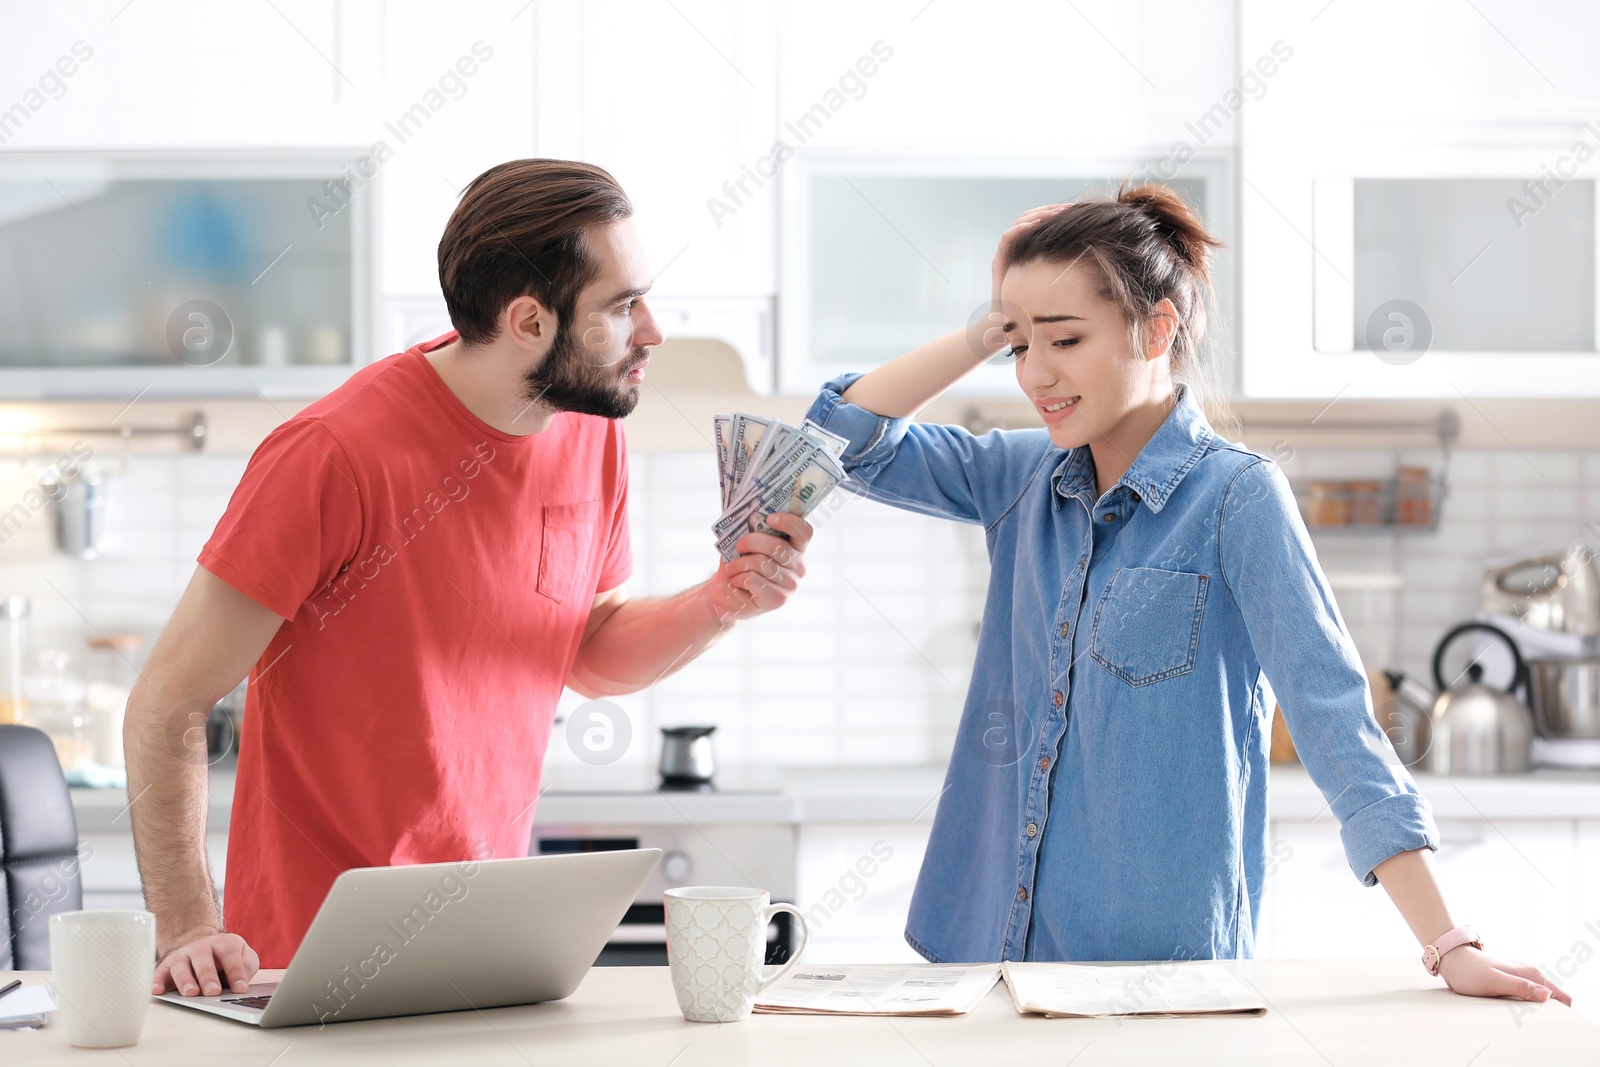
x,y
724,432
819,477
798,491
775,443
772,480
745,432
831,442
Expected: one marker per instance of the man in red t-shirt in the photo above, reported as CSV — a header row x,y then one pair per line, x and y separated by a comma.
x,y
411,570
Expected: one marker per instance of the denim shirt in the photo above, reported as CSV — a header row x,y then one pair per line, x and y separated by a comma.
x,y
1106,797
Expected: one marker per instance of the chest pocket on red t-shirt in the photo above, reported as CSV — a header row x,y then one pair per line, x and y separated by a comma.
x,y
566,549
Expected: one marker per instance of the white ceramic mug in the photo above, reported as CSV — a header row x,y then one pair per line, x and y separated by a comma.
x,y
716,944
101,963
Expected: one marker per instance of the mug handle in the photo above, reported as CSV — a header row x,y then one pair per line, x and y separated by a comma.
x,y
805,935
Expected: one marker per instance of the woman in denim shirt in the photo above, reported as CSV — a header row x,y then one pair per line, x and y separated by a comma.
x,y
1107,795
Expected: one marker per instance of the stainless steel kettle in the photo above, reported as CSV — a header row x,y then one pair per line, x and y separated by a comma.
x,y
1478,729
1406,716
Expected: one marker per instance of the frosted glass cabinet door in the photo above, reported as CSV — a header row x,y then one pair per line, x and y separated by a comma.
x,y
208,274
1493,269
883,255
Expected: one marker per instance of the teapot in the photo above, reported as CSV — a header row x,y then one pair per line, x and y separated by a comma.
x,y
1478,728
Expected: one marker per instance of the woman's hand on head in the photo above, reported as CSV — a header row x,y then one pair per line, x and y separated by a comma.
x,y
1025,222
1474,973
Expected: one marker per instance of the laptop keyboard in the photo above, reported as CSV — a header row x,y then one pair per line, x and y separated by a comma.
x,y
249,1002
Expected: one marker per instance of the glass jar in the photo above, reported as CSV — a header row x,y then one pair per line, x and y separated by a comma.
x,y
1365,503
14,621
55,704
1330,504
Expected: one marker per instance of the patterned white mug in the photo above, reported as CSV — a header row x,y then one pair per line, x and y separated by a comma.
x,y
716,944
101,963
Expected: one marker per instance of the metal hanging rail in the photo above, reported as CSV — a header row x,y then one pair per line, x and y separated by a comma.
x,y
191,432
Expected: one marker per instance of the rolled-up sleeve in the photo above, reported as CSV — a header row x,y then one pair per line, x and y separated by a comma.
x,y
943,471
1310,660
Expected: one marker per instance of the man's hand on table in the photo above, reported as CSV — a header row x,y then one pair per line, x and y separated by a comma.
x,y
767,570
199,962
1475,973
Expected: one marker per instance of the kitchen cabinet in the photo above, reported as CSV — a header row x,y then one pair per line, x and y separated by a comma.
x,y
1428,228
222,282
458,96
854,883
881,253
700,108
1033,78
676,101
1516,881
188,74
904,176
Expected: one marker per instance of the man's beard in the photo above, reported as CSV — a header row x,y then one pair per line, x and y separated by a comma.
x,y
568,380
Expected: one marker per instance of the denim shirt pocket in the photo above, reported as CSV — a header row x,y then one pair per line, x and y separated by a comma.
x,y
1147,623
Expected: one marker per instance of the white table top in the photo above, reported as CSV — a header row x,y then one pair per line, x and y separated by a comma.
x,y
1323,1012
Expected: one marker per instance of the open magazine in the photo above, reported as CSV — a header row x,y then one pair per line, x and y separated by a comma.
x,y
1088,990
865,989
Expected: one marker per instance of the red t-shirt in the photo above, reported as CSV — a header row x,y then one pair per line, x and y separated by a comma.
x,y
436,576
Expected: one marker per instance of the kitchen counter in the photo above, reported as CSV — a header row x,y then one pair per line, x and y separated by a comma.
x,y
1369,1012
893,794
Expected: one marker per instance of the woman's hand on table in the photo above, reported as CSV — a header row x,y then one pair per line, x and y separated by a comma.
x,y
1475,973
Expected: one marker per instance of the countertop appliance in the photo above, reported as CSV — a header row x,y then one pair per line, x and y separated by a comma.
x,y
1557,591
1549,604
1565,696
693,852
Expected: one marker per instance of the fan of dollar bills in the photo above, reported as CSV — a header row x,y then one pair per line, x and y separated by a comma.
x,y
769,466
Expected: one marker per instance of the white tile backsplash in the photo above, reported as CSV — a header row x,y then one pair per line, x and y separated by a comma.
x,y
868,660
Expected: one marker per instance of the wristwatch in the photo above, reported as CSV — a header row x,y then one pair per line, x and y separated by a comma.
x,y
1433,955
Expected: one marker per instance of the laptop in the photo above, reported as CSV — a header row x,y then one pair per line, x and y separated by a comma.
x,y
446,937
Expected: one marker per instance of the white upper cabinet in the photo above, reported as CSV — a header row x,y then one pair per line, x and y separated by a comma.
x,y
1034,78
458,97
675,100
194,75
914,134
1418,202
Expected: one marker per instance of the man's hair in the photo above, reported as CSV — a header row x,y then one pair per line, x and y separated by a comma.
x,y
519,230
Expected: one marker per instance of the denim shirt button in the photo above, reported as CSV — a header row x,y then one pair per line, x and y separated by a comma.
x,y
1044,764
1022,892
1065,628
1033,829
1059,698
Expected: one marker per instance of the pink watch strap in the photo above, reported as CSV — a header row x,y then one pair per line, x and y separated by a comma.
x,y
1433,954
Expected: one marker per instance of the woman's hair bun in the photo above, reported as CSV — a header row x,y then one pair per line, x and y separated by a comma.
x,y
1174,220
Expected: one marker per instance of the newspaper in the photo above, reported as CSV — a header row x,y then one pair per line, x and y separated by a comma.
x,y
865,989
1178,987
